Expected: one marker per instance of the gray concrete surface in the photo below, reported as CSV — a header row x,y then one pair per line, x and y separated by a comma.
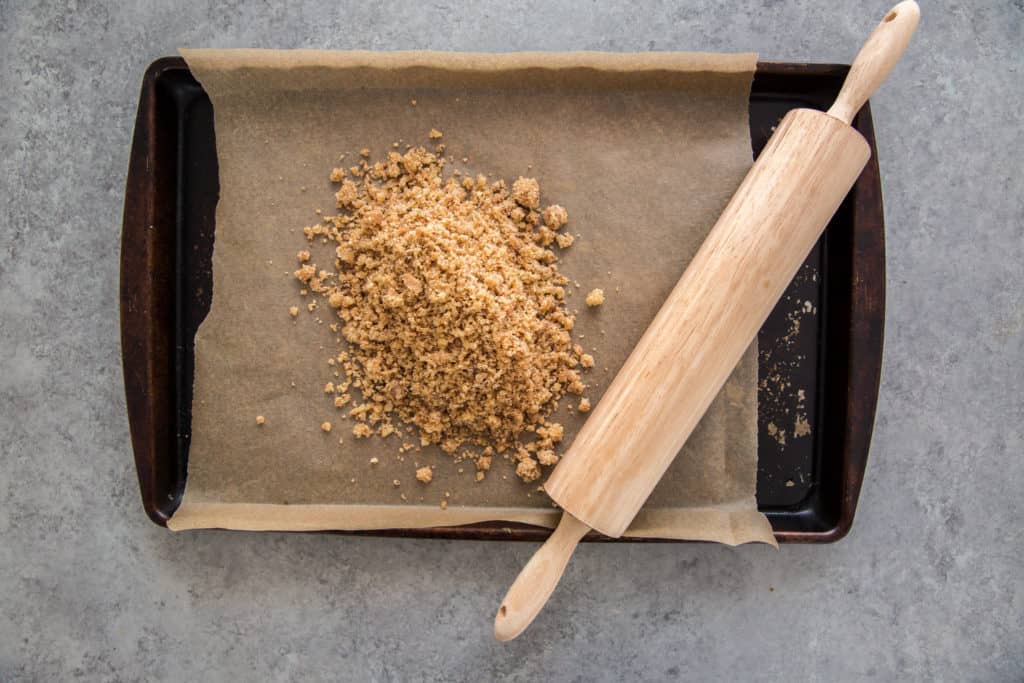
x,y
927,587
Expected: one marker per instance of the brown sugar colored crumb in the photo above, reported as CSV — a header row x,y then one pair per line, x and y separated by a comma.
x,y
326,426
526,192
584,406
450,305
424,474
555,217
595,297
435,134
260,419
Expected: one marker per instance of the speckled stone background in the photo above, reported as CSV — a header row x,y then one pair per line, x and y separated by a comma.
x,y
927,587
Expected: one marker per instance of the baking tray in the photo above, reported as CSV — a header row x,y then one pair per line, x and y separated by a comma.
x,y
808,487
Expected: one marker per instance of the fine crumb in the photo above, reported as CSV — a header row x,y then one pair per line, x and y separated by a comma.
x,y
435,134
396,483
374,461
293,311
424,267
444,504
260,419
326,426
584,406
424,474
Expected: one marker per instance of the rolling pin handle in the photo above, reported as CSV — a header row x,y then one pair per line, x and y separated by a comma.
x,y
537,581
876,59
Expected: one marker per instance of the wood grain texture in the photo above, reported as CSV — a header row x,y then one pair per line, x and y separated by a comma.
x,y
710,317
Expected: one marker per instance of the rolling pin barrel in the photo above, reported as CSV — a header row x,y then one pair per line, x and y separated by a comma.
x,y
709,319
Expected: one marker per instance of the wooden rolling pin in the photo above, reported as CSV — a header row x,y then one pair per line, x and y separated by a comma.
x,y
709,319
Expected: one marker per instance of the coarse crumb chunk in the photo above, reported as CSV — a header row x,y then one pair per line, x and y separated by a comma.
x,y
547,457
595,297
303,256
584,406
293,311
424,474
260,419
586,360
435,134
564,240
555,216
326,426
361,430
526,192
527,470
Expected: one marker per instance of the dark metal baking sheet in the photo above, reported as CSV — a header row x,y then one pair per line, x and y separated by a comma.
x,y
808,487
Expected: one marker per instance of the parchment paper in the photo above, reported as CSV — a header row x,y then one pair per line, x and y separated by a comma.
x,y
644,150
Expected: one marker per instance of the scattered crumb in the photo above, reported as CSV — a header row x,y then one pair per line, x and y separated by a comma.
x,y
412,102
435,134
260,419
801,427
329,388
424,474
444,504
790,483
326,426
374,461
586,360
396,483
595,297
303,256
293,311
584,406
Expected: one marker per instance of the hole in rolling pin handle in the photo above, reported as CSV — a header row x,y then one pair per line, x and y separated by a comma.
x,y
890,16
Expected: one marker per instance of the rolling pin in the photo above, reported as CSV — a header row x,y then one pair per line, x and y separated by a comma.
x,y
709,319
